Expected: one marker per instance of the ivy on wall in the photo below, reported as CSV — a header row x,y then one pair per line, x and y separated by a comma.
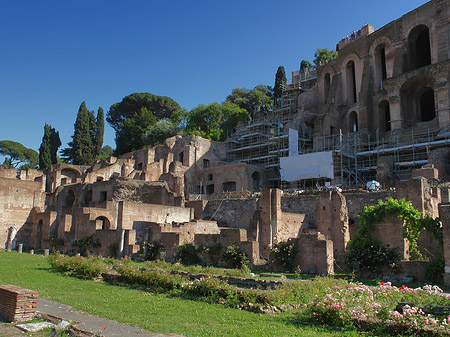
x,y
370,252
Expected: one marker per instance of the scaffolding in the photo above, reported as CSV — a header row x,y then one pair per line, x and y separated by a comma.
x,y
356,155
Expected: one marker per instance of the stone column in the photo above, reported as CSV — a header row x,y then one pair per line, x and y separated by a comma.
x,y
395,109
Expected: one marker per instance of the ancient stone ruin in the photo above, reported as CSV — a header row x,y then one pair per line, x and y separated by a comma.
x,y
379,111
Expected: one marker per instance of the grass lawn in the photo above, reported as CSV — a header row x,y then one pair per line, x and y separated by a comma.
x,y
154,312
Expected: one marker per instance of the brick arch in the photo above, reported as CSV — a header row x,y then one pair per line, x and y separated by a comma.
x,y
412,100
351,78
382,43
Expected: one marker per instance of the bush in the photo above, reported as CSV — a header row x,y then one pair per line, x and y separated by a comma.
x,y
90,268
211,254
234,257
434,270
86,245
159,280
188,254
283,254
152,250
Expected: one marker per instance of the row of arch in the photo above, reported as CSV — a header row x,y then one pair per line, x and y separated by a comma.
x,y
426,111
419,55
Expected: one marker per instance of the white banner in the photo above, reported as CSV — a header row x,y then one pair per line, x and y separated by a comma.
x,y
307,166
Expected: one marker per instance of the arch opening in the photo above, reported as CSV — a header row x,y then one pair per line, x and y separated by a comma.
x,y
419,47
353,121
427,106
351,82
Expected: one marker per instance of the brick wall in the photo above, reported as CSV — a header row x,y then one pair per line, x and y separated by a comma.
x,y
17,304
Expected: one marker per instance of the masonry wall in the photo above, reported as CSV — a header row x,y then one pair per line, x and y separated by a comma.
x,y
133,211
314,254
17,199
303,204
231,213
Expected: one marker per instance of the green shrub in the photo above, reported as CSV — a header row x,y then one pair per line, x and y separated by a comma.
x,y
188,254
90,268
152,250
434,270
283,254
234,257
86,245
159,280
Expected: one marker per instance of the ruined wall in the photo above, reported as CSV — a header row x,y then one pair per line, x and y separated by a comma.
x,y
17,199
290,226
303,204
389,231
133,211
332,220
314,254
231,213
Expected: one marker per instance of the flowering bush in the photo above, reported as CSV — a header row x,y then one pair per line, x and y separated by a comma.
x,y
356,303
283,254
89,267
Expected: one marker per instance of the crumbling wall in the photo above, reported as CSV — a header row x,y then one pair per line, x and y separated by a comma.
x,y
231,213
302,204
314,254
17,199
332,219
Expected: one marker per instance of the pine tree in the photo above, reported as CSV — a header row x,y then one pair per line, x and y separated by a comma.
x,y
100,129
45,158
280,83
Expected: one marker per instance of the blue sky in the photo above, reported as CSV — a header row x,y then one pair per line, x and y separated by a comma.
x,y
56,54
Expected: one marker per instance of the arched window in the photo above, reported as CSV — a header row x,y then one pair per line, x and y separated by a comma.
x,y
419,47
351,82
427,106
102,223
380,65
353,121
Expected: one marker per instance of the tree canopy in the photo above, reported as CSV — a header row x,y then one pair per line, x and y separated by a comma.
x,y
215,121
49,147
159,132
305,64
16,154
259,100
280,83
162,107
323,55
130,133
87,138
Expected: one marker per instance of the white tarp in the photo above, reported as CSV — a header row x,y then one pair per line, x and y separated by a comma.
x,y
307,166
293,142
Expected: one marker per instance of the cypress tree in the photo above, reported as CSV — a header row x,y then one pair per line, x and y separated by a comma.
x,y
82,148
55,143
100,129
49,147
45,159
280,83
